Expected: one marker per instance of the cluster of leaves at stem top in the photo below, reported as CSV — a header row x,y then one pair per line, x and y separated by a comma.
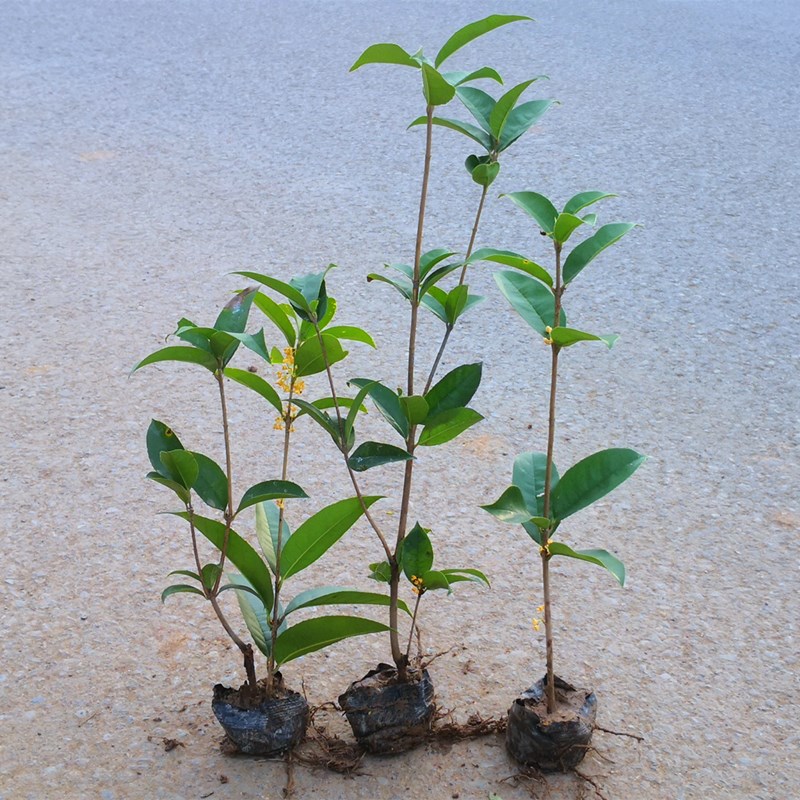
x,y
536,295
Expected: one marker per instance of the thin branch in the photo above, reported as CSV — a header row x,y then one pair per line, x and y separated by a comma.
x,y
413,623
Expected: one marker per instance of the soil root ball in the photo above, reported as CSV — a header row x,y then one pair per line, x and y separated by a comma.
x,y
388,716
551,742
261,725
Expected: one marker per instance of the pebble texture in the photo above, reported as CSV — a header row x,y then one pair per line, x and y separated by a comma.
x,y
149,148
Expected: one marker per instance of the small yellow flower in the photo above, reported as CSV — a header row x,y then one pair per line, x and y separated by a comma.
x,y
279,424
299,387
540,608
547,340
548,329
288,355
536,624
280,503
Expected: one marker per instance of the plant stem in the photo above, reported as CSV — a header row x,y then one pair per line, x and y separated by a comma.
x,y
413,624
228,474
558,291
449,327
399,659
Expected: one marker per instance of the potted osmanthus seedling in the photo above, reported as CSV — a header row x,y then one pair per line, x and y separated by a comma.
x,y
550,725
391,706
260,716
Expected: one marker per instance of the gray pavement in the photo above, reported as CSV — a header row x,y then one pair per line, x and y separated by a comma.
x,y
149,148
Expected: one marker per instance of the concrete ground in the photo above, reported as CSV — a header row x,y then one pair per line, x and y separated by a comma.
x,y
147,149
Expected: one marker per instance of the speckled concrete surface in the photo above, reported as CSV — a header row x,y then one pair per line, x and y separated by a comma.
x,y
148,148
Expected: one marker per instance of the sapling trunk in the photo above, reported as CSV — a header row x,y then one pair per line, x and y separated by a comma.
x,y
544,550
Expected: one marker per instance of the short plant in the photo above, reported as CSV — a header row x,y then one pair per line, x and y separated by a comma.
x,y
538,499
260,581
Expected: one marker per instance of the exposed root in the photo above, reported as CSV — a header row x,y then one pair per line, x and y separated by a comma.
x,y
619,733
533,779
323,750
588,780
288,790
424,663
475,727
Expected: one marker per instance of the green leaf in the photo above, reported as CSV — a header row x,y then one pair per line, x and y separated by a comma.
x,y
188,573
270,490
465,128
255,342
160,438
521,120
320,417
351,333
485,174
311,359
344,402
529,475
458,77
385,53
415,408
183,493
293,295
320,532
456,302
435,301
380,571
254,614
189,355
402,286
417,553
179,588
447,425
472,31
315,634
600,557
455,389
181,467
437,90
374,454
480,104
278,316
434,276
434,579
590,248
336,595
503,107
538,207
466,574
564,337
580,201
592,478
312,287
430,259
240,554
510,507
352,414
565,225
533,301
209,574
511,259
211,482
268,516
387,402
233,317
257,384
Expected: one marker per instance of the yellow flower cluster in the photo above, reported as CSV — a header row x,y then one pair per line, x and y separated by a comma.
x,y
419,585
537,623
287,381
548,330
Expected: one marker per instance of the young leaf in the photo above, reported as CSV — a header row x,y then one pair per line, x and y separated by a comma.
x,y
457,78
179,588
374,454
465,128
293,295
233,318
310,357
336,595
435,301
437,91
511,259
456,302
503,107
592,478
447,425
211,482
188,573
580,201
472,31
510,507
314,634
240,554
385,53
402,286
209,574
521,120
565,337
184,495
430,259
538,207
380,571
278,316
434,276
189,355
254,613
181,467
434,579
320,417
417,553
320,532
352,333
485,174
267,517
533,301
387,402
252,341
352,414
600,557
160,437
415,408
480,104
473,575
455,389
270,490
529,475
590,248
565,225
257,384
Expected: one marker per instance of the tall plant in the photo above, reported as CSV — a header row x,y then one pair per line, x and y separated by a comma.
x,y
539,499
